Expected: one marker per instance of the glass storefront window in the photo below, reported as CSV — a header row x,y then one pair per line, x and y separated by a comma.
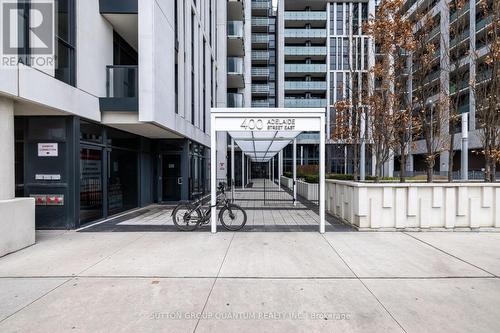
x,y
90,132
90,185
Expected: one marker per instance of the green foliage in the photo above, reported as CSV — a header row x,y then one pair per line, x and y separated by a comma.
x,y
312,179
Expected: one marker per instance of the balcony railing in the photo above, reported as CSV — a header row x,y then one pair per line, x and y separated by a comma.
x,y
305,68
305,50
305,102
121,81
484,22
235,65
260,38
235,29
260,88
305,85
234,100
305,33
260,22
260,55
260,103
305,16
258,71
265,4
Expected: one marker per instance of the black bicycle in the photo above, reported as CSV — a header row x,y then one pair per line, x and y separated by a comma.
x,y
190,216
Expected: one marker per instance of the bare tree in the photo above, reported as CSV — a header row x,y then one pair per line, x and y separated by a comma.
x,y
456,65
429,103
487,86
390,119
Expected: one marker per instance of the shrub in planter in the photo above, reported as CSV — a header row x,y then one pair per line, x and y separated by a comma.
x,y
338,176
312,179
287,174
306,170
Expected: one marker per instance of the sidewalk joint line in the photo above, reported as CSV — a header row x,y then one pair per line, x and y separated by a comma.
x,y
213,284
451,255
366,287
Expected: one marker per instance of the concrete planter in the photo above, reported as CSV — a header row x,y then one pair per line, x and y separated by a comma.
x,y
17,225
307,190
415,206
287,182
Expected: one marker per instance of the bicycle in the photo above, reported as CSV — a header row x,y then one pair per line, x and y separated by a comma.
x,y
190,216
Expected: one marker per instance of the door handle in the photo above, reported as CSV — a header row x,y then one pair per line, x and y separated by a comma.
x,y
179,181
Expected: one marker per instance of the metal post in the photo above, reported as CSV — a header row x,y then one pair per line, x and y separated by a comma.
x,y
242,170
213,175
322,181
301,155
362,153
294,168
272,169
232,169
465,147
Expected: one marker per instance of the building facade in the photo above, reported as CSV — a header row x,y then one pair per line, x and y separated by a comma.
x,y
123,119
458,34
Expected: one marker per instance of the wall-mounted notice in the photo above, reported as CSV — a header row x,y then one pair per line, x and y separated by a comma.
x,y
48,149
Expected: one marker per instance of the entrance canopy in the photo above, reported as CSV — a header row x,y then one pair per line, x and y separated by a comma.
x,y
262,146
261,133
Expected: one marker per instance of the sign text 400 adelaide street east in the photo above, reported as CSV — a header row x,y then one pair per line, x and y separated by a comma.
x,y
270,124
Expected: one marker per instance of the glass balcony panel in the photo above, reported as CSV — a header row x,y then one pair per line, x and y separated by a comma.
x,y
260,38
305,102
305,33
260,55
305,16
235,29
235,65
260,22
258,71
305,85
122,81
234,100
305,68
305,50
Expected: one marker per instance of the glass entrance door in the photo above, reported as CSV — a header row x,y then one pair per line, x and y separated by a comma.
x,y
171,178
91,206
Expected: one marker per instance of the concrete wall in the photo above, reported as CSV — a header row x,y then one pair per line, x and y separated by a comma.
x,y
17,225
422,206
307,191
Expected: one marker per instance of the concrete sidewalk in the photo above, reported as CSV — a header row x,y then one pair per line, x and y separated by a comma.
x,y
253,282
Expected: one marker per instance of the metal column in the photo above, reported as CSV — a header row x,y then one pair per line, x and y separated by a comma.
x,y
232,169
242,170
464,171
294,168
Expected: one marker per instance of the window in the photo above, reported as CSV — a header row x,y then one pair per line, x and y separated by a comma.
x,y
340,23
65,42
333,54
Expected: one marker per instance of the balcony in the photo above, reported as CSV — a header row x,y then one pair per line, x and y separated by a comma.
x,y
261,89
235,43
483,23
305,68
305,16
305,85
297,19
260,56
305,34
234,100
235,72
309,51
118,6
261,103
260,39
235,10
261,6
260,72
305,102
260,22
121,89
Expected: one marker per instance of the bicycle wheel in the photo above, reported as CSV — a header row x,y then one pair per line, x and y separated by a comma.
x,y
233,217
186,218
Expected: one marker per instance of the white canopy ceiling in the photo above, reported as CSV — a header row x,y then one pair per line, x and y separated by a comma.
x,y
261,146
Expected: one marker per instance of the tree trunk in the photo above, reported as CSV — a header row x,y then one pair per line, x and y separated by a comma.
x,y
356,162
430,169
402,166
493,170
450,158
487,166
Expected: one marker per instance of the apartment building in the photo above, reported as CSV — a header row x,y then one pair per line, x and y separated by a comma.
x,y
121,118
457,33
